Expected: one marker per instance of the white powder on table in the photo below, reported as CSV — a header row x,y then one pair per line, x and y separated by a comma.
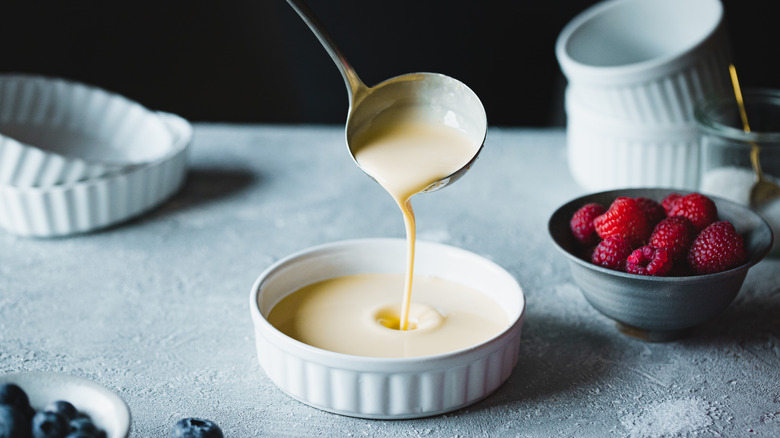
x,y
668,418
733,184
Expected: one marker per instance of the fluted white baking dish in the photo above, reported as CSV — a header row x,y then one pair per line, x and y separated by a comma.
x,y
55,131
103,201
385,388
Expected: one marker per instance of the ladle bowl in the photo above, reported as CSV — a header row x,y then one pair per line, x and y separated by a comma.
x,y
436,97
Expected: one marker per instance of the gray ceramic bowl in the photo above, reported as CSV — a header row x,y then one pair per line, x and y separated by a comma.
x,y
659,308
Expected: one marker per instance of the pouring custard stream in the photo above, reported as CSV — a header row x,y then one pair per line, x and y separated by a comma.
x,y
407,149
411,133
406,153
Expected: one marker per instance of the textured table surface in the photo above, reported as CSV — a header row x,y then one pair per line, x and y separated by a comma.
x,y
156,309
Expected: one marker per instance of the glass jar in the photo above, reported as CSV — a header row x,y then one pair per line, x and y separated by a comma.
x,y
725,149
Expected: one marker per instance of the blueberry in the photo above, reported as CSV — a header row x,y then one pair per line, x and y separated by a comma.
x,y
12,394
62,407
196,428
49,425
85,426
80,434
14,423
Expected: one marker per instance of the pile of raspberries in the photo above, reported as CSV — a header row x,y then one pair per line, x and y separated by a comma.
x,y
679,236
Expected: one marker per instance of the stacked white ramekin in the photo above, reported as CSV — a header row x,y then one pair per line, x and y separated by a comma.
x,y
75,158
635,70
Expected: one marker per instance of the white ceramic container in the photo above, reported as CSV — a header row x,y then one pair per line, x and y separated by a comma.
x,y
109,412
385,388
23,165
607,154
646,61
55,131
99,202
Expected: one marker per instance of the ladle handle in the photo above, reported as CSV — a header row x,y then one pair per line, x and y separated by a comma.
x,y
355,86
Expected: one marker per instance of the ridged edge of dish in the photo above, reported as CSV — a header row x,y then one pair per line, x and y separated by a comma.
x,y
667,100
439,388
25,166
603,155
99,202
601,162
57,131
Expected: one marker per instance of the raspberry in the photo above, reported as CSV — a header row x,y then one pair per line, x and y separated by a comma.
x,y
675,234
581,223
649,261
654,212
625,219
668,202
717,248
611,253
698,208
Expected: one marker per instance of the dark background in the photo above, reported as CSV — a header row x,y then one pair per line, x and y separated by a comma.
x,y
256,61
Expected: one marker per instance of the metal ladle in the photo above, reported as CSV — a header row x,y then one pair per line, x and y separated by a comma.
x,y
763,190
443,98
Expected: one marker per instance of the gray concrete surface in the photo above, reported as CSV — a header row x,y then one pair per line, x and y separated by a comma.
x,y
157,309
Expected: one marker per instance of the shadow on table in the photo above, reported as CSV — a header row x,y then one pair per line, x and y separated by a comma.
x,y
747,321
556,355
204,185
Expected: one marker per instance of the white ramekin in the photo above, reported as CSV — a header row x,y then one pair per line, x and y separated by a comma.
x,y
385,388
606,154
55,131
103,201
646,61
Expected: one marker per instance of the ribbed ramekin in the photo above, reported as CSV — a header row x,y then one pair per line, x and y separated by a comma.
x,y
385,388
103,201
55,131
646,61
606,154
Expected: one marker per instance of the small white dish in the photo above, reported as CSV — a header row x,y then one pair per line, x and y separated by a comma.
x,y
98,202
106,409
56,131
646,61
386,388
